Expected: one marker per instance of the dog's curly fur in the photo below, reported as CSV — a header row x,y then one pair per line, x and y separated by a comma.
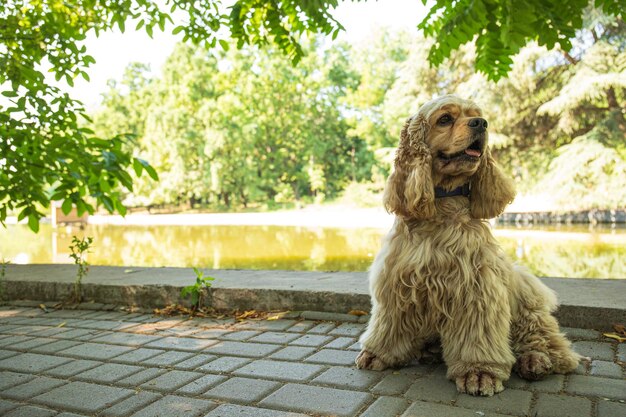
x,y
441,277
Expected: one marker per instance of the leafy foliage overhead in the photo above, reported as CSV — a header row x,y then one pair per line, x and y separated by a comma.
x,y
46,153
502,27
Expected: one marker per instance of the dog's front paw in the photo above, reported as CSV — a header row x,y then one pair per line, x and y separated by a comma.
x,y
367,360
533,365
479,383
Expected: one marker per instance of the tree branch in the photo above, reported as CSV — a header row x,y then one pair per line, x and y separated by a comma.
x,y
570,58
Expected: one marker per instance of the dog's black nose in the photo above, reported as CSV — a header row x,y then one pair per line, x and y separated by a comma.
x,y
478,123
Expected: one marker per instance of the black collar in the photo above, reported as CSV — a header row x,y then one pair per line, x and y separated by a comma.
x,y
463,190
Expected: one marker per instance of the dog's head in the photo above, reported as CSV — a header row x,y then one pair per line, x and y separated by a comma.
x,y
446,145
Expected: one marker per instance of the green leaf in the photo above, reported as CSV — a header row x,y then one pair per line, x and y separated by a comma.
x,y
177,30
137,166
33,222
66,207
224,44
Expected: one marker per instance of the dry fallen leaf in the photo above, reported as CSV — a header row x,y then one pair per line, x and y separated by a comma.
x,y
615,336
357,312
620,329
61,324
44,308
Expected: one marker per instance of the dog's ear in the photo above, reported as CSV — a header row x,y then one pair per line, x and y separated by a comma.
x,y
409,191
491,189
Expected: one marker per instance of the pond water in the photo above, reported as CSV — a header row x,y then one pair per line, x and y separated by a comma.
x,y
557,251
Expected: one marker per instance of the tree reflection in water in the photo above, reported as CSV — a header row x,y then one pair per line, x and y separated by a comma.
x,y
566,251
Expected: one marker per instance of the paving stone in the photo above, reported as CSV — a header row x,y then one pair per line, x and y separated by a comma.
x,y
516,382
595,350
95,351
580,334
275,337
302,326
284,371
350,378
611,409
231,410
333,357
621,352
168,358
182,343
195,362
322,328
138,355
265,325
31,343
105,325
311,340
293,353
582,368
242,389
240,335
141,377
170,381
201,384
224,364
175,406
550,405
604,368
394,384
418,369
509,401
340,343
386,406
55,346
78,334
30,411
12,379
432,389
126,339
32,388
72,368
108,373
10,341
596,386
180,331
425,409
83,397
348,329
134,403
317,400
31,362
326,316
356,346
551,383
69,415
7,354
252,350
211,333
5,406
50,331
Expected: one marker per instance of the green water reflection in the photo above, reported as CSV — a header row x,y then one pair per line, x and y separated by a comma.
x,y
556,251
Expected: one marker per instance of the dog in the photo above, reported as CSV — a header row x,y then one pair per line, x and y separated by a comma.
x,y
441,277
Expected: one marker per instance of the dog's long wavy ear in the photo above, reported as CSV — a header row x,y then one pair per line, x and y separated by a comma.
x,y
409,191
491,189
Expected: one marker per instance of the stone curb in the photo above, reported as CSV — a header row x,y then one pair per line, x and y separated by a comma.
x,y
585,303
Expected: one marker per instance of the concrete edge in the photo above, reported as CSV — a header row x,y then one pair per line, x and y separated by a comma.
x,y
596,304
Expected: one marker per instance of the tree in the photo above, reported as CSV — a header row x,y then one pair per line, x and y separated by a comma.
x,y
500,28
46,152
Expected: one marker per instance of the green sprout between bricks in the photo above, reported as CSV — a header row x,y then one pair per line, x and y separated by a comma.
x,y
196,290
79,249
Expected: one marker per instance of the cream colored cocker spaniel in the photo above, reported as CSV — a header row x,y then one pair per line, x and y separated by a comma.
x,y
441,277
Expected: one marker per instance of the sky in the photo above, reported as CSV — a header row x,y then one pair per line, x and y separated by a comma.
x,y
114,50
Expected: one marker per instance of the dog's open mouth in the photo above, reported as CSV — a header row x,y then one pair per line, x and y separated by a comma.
x,y
472,152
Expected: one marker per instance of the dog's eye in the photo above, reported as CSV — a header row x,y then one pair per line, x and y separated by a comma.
x,y
444,120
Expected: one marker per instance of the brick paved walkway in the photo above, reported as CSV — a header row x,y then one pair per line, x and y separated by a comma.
x,y
70,363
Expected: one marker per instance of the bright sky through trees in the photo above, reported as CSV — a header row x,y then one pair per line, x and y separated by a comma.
x,y
114,50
